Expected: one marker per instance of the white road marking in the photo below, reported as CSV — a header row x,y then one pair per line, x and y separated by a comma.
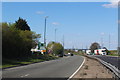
x,y
25,75
77,70
21,76
67,56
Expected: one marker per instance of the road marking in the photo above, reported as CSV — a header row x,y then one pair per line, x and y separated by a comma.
x,y
67,56
25,75
21,76
77,69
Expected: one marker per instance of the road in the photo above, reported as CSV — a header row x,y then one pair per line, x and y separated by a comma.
x,y
115,61
60,68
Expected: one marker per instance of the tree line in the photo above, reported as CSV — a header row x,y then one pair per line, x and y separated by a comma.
x,y
17,39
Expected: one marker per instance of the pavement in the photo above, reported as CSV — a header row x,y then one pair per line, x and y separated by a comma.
x,y
60,68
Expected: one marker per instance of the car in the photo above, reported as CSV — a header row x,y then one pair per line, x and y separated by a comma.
x,y
65,54
72,54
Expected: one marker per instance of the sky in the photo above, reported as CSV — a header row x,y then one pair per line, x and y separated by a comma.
x,y
81,23
60,0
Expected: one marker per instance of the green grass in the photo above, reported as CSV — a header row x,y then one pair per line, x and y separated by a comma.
x,y
17,62
78,53
7,65
113,55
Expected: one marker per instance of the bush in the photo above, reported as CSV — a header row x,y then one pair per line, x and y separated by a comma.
x,y
55,48
16,43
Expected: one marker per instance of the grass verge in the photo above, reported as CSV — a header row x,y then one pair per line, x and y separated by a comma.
x,y
7,63
113,55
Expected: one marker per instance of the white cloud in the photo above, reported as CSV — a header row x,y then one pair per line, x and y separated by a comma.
x,y
112,4
55,23
40,12
102,33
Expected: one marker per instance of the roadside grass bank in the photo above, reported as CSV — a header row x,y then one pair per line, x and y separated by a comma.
x,y
8,63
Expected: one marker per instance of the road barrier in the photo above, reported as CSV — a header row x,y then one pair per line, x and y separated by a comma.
x,y
112,68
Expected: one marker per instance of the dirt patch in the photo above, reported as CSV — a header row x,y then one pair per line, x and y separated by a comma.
x,y
93,69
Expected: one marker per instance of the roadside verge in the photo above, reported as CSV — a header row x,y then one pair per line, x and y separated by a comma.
x,y
92,69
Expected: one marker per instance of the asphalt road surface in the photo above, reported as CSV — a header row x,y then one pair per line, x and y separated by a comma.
x,y
115,61
60,68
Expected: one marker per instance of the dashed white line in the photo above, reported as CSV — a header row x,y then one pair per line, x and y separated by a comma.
x,y
25,75
21,76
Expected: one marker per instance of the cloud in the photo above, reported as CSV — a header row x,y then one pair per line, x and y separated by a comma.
x,y
112,4
102,33
55,23
40,12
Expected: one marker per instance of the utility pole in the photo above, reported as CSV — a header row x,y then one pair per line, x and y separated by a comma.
x,y
63,41
86,47
45,31
63,44
82,46
101,42
109,40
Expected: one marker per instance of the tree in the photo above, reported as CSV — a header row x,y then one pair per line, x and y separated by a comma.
x,y
17,43
11,41
22,24
94,46
55,48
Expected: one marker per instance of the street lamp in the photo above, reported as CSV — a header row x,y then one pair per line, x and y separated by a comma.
x,y
55,23
45,31
102,43
55,34
109,41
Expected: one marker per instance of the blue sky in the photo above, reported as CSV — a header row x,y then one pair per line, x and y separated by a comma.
x,y
81,23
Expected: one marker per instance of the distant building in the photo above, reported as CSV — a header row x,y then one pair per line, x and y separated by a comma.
x,y
100,52
88,52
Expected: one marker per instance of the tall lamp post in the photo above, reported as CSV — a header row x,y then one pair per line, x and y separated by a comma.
x,y
55,24
102,43
45,31
109,41
55,34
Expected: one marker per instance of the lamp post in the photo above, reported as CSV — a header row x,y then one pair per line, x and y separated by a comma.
x,y
45,31
102,43
55,24
109,40
55,34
